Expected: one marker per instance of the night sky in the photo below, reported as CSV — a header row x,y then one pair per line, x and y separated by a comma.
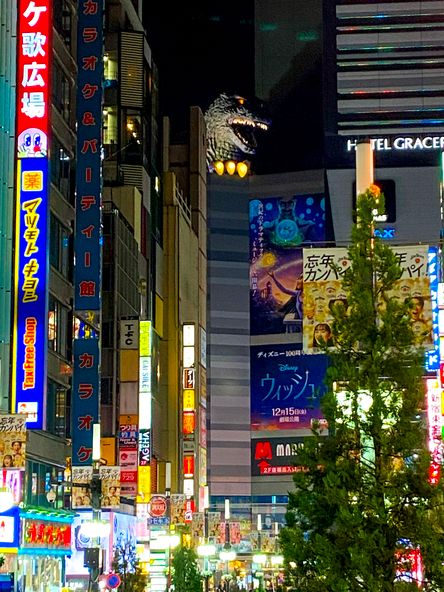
x,y
203,49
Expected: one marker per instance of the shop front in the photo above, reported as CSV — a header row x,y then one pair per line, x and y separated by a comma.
x,y
44,543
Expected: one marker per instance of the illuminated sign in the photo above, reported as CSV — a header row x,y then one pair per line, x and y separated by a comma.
x,y
10,529
432,356
85,395
188,378
88,233
37,534
188,422
32,209
434,418
188,400
188,466
403,143
144,439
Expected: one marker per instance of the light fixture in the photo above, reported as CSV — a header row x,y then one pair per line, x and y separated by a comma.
x,y
219,167
260,558
95,528
227,555
206,550
277,560
230,167
242,169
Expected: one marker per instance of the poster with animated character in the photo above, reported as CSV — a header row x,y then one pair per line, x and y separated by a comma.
x,y
279,227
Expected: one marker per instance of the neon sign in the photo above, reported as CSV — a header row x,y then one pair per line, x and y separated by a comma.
x,y
402,143
32,210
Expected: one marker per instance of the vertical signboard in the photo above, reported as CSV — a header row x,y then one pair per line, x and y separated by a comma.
x,y
33,108
87,239
144,441
85,397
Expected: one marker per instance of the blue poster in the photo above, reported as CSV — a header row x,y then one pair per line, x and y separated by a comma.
x,y
278,229
286,388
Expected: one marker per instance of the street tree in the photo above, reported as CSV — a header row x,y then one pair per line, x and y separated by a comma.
x,y
126,564
186,576
364,510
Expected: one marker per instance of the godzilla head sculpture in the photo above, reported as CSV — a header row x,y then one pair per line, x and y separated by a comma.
x,y
231,123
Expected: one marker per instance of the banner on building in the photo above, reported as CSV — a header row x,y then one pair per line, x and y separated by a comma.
x,y
278,229
285,387
323,288
12,441
128,454
110,478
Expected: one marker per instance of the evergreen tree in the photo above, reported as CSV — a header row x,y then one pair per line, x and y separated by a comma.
x,y
186,575
364,503
126,564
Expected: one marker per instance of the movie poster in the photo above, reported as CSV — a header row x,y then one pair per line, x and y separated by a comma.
x,y
286,388
278,229
323,272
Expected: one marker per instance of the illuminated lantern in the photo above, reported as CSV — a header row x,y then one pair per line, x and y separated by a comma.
x,y
219,167
242,169
230,167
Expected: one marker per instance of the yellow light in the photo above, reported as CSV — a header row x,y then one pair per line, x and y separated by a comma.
x,y
219,167
230,167
242,169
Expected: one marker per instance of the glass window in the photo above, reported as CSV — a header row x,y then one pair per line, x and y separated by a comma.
x,y
61,91
58,327
62,20
56,411
61,170
59,247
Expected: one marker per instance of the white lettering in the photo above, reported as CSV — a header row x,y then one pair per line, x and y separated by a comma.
x,y
403,143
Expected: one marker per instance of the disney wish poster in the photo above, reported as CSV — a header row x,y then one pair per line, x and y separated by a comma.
x,y
278,229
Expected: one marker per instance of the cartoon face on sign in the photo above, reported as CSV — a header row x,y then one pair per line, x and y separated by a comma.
x,y
32,143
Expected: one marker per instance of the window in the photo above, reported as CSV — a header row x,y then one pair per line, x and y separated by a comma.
x,y
61,170
62,20
58,327
61,91
56,409
59,247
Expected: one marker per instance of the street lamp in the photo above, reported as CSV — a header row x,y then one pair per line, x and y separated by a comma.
x,y
261,560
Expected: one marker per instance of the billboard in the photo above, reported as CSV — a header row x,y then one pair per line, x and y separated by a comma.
x,y
285,388
33,107
275,456
322,280
278,229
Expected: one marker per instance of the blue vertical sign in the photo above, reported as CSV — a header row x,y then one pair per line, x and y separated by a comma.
x,y
432,356
88,234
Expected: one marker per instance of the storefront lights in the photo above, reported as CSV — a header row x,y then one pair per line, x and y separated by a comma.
x,y
95,528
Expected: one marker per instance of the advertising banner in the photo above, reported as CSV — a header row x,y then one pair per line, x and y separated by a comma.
x,y
286,387
278,229
110,478
323,272
275,456
128,454
12,441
